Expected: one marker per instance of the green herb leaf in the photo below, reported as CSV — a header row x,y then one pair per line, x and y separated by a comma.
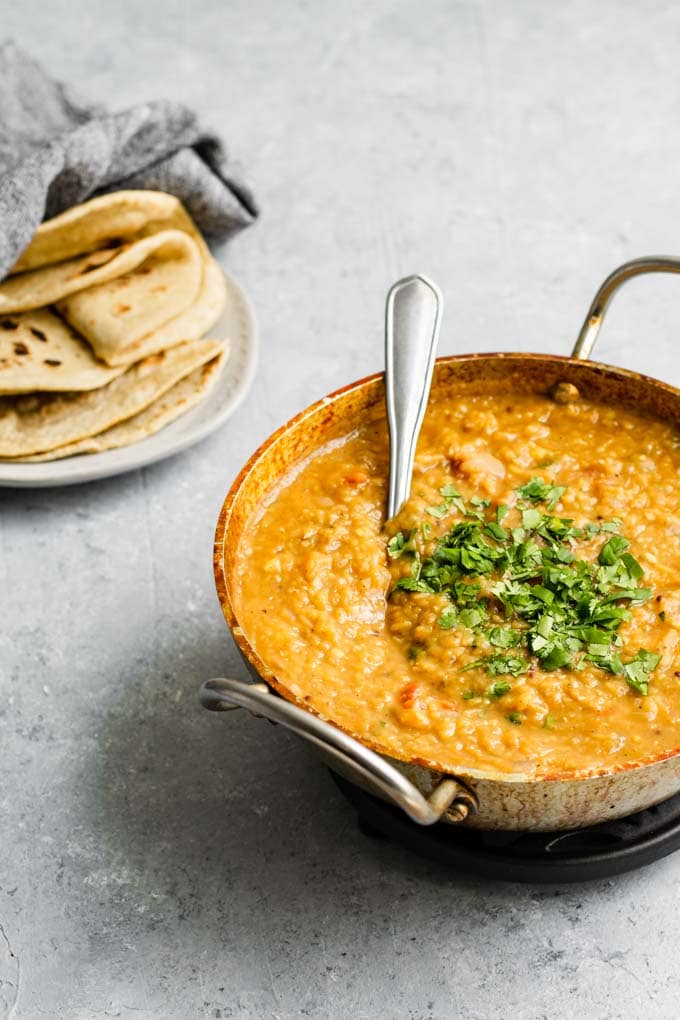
x,y
395,546
531,519
504,637
512,665
562,610
612,550
638,670
412,584
539,491
451,497
448,618
438,511
471,617
497,689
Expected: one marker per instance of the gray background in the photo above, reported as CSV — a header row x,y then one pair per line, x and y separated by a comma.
x,y
160,862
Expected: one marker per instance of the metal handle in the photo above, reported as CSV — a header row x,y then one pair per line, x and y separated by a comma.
x,y
450,797
598,309
412,319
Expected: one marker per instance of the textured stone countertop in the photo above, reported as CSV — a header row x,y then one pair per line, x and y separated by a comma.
x,y
158,861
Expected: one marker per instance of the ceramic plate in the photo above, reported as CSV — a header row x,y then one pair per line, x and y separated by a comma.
x,y
238,324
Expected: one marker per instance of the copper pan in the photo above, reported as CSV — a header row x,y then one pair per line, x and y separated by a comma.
x,y
484,799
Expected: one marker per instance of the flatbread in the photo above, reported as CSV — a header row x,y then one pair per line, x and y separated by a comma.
x,y
52,283
41,422
85,235
103,223
179,399
116,314
195,322
39,351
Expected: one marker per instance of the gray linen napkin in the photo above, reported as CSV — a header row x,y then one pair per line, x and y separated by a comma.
x,y
56,152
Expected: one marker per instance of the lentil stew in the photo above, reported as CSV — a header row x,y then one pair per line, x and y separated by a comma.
x,y
522,612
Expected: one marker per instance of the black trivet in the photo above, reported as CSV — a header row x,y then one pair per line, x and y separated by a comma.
x,y
573,855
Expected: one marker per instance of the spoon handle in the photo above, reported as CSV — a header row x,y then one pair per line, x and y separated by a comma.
x,y
412,319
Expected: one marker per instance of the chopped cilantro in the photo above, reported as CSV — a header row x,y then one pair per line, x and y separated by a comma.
x,y
498,688
499,665
539,491
612,549
515,665
504,637
440,510
413,584
395,546
451,497
638,669
471,617
562,610
448,618
531,519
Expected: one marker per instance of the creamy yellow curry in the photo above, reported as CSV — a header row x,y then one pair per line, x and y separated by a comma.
x,y
522,612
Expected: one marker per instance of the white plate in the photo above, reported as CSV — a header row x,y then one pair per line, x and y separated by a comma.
x,y
238,324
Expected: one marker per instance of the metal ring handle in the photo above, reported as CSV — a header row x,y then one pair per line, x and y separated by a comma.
x,y
412,319
600,303
450,797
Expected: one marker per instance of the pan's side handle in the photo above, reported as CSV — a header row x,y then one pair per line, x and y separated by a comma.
x,y
450,798
598,309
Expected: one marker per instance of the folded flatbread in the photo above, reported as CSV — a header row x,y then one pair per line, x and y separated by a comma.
x,y
39,422
126,319
179,399
172,249
116,314
104,239
39,351
103,223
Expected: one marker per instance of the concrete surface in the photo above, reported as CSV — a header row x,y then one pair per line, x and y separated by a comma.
x,y
160,862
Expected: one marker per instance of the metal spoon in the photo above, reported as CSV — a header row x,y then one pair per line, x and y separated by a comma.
x,y
412,318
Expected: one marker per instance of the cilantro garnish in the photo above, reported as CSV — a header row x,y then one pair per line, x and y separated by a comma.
x,y
448,618
504,637
637,671
452,497
523,589
538,491
498,689
395,546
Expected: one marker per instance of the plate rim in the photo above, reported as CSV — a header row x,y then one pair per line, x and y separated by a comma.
x,y
92,467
